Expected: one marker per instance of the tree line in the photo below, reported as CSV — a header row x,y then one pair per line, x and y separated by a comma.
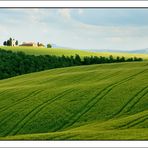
x,y
9,42
17,63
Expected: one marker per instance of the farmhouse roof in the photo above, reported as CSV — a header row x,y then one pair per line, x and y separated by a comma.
x,y
29,43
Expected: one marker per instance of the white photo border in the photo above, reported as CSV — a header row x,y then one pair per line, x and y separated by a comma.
x,y
72,4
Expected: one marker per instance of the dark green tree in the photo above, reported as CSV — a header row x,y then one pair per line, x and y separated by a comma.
x,y
77,59
16,43
17,63
5,43
49,45
8,43
122,59
111,59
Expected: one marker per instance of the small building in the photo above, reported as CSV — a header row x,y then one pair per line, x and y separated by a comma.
x,y
13,43
29,44
41,45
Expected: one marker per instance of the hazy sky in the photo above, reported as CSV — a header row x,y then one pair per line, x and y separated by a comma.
x,y
77,28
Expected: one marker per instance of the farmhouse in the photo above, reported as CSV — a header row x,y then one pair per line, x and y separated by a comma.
x,y
41,45
13,43
29,44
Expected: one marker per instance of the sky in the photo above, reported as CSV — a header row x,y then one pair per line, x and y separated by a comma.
x,y
85,28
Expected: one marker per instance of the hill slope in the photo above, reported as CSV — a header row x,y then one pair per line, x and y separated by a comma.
x,y
107,101
69,52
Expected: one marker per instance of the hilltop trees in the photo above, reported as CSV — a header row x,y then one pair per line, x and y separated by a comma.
x,y
5,43
77,60
16,43
10,42
49,45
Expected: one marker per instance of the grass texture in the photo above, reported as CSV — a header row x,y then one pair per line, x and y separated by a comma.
x,y
96,102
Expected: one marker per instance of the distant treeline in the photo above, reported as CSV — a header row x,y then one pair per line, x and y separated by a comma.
x,y
17,63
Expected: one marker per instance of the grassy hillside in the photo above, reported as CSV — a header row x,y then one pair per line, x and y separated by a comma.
x,y
69,52
107,101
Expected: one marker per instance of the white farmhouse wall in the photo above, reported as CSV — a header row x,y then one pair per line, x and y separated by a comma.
x,y
13,43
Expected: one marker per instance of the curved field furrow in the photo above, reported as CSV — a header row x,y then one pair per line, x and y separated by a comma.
x,y
141,120
138,100
4,120
1,93
133,122
103,78
73,119
130,101
81,102
21,100
33,112
85,109
110,76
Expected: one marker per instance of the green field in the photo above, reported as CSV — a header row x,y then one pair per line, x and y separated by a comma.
x,y
69,52
99,102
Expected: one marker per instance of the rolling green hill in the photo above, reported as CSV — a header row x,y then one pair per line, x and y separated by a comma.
x,y
106,101
69,52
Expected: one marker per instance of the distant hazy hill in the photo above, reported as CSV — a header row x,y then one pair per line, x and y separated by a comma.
x,y
139,51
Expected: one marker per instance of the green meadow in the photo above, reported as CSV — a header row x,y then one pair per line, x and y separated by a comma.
x,y
95,102
69,52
